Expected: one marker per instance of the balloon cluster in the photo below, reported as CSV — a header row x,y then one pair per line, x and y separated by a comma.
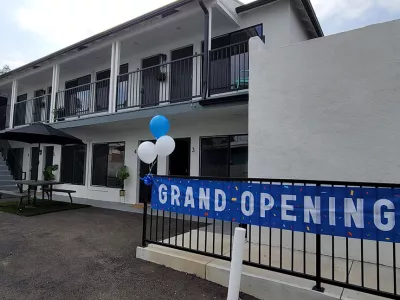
x,y
164,146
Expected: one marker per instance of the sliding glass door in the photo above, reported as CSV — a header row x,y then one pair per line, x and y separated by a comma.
x,y
224,156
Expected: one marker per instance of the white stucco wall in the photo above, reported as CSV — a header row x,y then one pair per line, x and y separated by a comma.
x,y
194,126
298,31
275,18
327,108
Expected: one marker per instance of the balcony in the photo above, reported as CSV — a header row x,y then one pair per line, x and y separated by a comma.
x,y
165,83
32,110
82,100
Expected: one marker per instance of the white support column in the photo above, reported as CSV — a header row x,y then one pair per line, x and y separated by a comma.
x,y
54,89
14,94
115,62
210,12
112,75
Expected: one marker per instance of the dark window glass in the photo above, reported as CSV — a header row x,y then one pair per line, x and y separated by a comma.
x,y
73,164
215,156
224,156
78,81
107,160
123,69
238,148
77,96
23,97
100,157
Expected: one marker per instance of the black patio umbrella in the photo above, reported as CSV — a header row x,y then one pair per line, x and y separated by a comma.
x,y
40,134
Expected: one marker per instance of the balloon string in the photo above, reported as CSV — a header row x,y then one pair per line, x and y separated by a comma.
x,y
152,165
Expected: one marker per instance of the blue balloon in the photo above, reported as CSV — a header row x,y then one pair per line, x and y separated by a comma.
x,y
159,126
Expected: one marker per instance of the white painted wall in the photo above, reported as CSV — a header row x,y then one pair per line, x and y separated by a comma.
x,y
298,32
275,18
327,109
194,126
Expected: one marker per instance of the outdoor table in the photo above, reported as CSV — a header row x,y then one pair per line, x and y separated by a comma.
x,y
34,184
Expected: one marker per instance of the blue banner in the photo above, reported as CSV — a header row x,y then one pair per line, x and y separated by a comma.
x,y
367,213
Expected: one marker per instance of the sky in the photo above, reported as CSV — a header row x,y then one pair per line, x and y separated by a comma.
x,y
30,29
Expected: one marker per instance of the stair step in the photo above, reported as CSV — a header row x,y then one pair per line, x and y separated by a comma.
x,y
7,182
9,187
6,176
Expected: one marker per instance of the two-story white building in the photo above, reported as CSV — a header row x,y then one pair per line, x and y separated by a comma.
x,y
188,60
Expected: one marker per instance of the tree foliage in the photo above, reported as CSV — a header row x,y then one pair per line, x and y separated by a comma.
x,y
5,69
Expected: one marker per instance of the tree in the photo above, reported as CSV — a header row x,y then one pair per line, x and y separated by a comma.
x,y
5,69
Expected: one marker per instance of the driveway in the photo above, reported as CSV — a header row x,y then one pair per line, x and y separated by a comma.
x,y
87,254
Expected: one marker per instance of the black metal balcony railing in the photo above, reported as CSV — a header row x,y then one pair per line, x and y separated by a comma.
x,y
169,82
229,68
32,110
82,100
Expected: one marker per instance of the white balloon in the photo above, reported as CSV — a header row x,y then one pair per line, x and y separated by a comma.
x,y
165,145
147,152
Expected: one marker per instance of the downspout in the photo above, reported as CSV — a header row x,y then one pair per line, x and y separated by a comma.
x,y
205,52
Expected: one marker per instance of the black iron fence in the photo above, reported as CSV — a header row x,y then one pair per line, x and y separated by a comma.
x,y
229,68
32,110
82,100
169,82
361,265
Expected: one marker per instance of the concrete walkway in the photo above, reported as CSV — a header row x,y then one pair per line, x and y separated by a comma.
x,y
87,253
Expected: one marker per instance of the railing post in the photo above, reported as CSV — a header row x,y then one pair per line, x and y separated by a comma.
x,y
14,94
318,265
144,233
54,91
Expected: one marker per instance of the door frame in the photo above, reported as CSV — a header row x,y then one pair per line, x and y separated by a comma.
x,y
229,156
138,172
141,104
37,165
170,75
189,156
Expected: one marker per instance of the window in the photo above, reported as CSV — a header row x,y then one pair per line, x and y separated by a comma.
x,y
229,60
20,110
22,97
73,160
122,86
108,158
77,96
224,156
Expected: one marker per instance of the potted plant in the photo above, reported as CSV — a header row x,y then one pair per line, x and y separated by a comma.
x,y
48,172
122,175
59,114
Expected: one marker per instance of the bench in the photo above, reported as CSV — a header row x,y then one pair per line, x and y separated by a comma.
x,y
69,192
21,196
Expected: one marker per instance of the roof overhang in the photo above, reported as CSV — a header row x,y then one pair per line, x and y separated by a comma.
x,y
306,4
162,11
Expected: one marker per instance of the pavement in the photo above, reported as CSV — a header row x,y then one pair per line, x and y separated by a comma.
x,y
89,254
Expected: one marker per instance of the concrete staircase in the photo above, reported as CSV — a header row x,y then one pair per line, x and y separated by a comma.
x,y
7,182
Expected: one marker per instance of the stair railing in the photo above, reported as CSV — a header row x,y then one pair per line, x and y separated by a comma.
x,y
16,169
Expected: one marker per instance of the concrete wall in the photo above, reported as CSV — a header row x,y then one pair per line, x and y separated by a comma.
x,y
327,108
